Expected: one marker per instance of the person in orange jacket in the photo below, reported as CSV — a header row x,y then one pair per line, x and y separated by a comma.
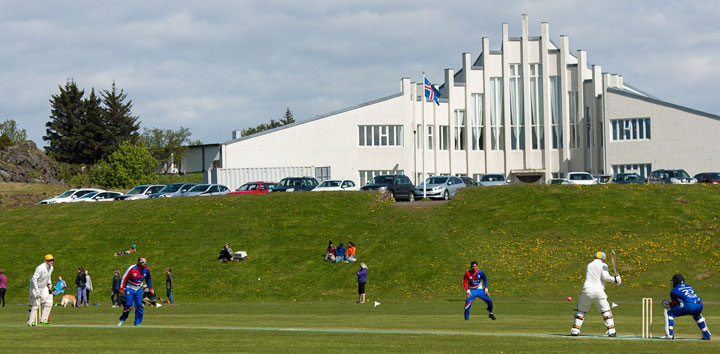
x,y
350,253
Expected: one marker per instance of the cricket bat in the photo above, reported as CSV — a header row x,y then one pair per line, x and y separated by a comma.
x,y
612,255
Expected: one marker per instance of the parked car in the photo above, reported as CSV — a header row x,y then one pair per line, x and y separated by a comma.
x,y
295,184
336,185
469,182
492,179
399,186
85,197
142,191
207,190
69,195
102,197
671,176
603,179
581,178
557,181
439,187
627,178
254,187
173,190
708,177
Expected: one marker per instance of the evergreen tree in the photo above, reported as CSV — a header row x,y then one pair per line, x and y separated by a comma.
x,y
92,145
65,125
288,117
120,124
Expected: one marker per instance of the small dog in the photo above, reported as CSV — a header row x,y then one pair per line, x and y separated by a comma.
x,y
68,300
163,300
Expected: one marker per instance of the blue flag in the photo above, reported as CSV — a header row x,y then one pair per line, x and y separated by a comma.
x,y
431,92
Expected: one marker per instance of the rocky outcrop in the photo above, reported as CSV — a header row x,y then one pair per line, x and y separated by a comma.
x,y
25,163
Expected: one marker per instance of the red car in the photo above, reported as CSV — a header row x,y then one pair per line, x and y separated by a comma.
x,y
708,177
254,187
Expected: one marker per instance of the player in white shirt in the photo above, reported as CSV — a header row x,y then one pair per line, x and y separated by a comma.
x,y
40,292
593,292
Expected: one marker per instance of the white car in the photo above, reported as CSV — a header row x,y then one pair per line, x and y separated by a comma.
x,y
142,191
581,178
207,190
69,196
336,185
101,197
492,179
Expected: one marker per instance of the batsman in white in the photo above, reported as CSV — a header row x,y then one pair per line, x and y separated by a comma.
x,y
40,284
593,292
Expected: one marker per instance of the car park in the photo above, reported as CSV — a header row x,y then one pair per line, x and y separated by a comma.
x,y
492,179
336,185
173,190
469,182
142,191
106,196
69,195
254,188
582,178
295,184
439,187
207,190
399,186
671,176
708,177
627,178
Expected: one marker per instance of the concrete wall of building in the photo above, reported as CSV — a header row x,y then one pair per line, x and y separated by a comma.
x,y
200,158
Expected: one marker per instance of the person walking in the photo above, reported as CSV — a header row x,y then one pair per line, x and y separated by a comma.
x,y
3,286
683,301
132,286
115,294
80,284
88,287
39,290
362,279
169,284
593,292
472,283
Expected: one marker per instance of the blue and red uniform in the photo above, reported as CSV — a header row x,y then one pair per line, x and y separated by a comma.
x,y
688,304
131,285
472,282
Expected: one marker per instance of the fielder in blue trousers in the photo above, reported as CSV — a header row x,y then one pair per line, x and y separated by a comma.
x,y
131,286
472,281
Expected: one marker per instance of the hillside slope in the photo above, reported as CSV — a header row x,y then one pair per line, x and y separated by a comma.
x,y
532,241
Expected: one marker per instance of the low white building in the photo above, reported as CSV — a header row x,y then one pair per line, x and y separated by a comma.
x,y
531,110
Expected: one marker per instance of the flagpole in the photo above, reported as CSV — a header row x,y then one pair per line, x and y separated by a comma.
x,y
424,139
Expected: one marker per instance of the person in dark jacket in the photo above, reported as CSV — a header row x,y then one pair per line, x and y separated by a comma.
x,y
362,279
80,283
340,253
115,295
330,252
226,253
169,284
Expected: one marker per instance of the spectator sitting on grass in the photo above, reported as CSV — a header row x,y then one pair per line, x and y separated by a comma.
x,y
59,287
330,252
350,253
340,253
226,253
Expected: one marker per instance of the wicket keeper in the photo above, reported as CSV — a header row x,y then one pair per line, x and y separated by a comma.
x,y
40,284
471,282
683,301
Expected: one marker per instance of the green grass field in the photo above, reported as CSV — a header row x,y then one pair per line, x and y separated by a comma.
x,y
532,241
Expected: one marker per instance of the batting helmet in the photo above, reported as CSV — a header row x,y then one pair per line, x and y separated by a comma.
x,y
599,255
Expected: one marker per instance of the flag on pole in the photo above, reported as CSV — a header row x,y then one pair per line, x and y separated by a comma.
x,y
431,92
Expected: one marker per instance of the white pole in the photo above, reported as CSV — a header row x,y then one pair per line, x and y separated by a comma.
x,y
423,137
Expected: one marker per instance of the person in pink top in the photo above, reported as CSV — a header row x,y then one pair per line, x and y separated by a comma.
x,y
3,286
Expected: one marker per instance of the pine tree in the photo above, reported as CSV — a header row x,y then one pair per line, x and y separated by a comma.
x,y
64,128
92,145
120,124
288,117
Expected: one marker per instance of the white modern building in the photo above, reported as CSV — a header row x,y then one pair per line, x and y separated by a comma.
x,y
531,110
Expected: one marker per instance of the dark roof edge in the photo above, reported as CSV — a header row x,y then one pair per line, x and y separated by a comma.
x,y
399,94
662,103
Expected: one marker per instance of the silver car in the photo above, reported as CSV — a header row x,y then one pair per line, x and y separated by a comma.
x,y
141,192
207,190
439,187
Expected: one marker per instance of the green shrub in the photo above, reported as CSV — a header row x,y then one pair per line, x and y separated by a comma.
x,y
128,166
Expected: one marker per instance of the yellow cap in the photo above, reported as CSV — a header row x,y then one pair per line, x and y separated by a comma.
x,y
49,257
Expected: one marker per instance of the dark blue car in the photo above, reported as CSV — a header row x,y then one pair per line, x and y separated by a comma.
x,y
295,184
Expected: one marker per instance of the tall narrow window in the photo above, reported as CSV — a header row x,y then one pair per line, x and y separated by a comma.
x,y
588,124
556,111
536,107
443,144
496,114
418,137
429,129
574,120
477,121
517,108
459,129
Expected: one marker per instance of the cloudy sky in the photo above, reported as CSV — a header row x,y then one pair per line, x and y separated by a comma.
x,y
217,66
